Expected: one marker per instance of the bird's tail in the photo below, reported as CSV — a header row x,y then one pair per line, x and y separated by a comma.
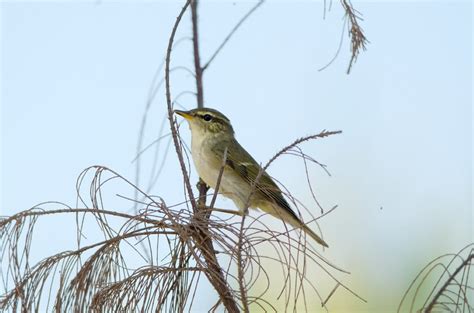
x,y
313,235
293,220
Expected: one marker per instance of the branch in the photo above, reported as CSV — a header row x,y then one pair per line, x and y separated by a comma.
x,y
227,38
24,214
203,237
174,132
358,39
322,134
197,60
253,189
448,282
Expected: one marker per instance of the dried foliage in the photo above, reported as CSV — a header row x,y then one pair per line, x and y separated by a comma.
x,y
443,285
98,276
358,40
356,34
156,258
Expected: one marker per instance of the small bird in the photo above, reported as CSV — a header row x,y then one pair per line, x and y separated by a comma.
x,y
212,143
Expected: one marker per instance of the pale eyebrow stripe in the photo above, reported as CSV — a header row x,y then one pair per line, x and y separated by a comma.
x,y
215,117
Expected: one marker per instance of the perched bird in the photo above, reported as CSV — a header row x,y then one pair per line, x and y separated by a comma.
x,y
213,142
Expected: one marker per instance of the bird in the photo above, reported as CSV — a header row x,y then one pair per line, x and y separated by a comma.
x,y
214,146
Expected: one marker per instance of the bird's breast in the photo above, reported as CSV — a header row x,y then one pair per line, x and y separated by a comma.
x,y
208,166
204,160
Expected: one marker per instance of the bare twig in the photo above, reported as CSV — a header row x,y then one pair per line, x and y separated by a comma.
x,y
450,279
219,177
174,132
322,134
197,59
36,213
231,33
450,291
358,39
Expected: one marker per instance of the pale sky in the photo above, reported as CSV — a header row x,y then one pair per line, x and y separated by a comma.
x,y
75,79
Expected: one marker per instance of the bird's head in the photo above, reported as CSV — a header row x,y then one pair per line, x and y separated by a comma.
x,y
207,122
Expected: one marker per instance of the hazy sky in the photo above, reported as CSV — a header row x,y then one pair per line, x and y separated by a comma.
x,y
75,78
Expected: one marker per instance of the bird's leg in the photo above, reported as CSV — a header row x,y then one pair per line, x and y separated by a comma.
x,y
201,184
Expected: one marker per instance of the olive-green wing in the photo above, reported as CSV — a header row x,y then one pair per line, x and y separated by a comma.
x,y
246,167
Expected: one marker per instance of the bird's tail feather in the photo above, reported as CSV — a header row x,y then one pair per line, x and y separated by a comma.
x,y
314,235
294,221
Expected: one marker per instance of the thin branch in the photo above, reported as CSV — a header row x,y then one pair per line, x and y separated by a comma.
x,y
197,60
441,297
358,39
174,132
36,213
448,281
322,134
203,238
219,177
236,27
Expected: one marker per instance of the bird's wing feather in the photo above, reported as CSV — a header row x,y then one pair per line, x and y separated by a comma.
x,y
249,170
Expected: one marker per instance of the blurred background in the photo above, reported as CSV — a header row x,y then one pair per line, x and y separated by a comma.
x,y
76,76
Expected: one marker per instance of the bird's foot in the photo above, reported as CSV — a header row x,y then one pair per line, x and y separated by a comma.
x,y
201,184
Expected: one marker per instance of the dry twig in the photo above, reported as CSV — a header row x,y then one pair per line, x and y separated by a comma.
x,y
448,291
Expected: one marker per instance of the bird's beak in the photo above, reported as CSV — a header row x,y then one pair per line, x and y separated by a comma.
x,y
184,114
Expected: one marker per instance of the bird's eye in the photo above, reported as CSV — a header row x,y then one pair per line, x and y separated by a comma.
x,y
207,117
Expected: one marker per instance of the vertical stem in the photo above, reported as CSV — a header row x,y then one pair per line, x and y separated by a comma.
x,y
169,104
197,59
201,185
203,237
